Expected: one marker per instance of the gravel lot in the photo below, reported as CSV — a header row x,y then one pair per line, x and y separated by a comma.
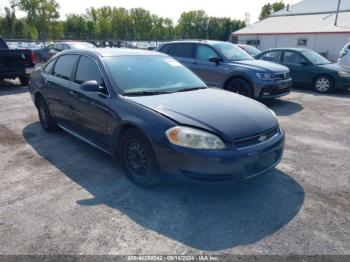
x,y
61,196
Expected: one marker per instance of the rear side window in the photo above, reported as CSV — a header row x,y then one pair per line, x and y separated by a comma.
x,y
49,66
181,50
65,66
165,49
274,56
87,70
205,52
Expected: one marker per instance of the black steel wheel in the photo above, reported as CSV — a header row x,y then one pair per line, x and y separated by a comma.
x,y
138,159
239,86
45,118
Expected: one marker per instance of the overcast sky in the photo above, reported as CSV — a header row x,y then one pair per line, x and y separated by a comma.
x,y
235,9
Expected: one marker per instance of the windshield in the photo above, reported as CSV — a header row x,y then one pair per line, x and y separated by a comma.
x,y
316,58
81,45
141,74
232,52
251,50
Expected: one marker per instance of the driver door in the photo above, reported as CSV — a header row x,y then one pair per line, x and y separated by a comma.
x,y
210,72
92,117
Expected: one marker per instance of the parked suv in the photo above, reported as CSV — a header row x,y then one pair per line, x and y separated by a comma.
x,y
224,65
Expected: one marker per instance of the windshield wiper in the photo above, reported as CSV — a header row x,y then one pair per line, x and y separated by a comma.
x,y
146,93
189,89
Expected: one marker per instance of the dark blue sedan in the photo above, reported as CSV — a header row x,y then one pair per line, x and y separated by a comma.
x,y
156,116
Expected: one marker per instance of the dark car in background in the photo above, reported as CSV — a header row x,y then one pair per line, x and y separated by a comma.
x,y
226,66
309,68
16,63
156,115
253,51
61,46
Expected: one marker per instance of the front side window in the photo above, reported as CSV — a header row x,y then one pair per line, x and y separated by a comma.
x,y
316,58
294,58
205,52
181,50
273,56
64,66
49,66
135,74
87,70
232,53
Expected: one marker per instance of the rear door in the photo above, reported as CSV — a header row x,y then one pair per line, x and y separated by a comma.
x,y
211,73
58,91
92,116
299,67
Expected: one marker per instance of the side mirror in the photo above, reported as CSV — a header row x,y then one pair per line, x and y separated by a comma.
x,y
90,86
304,63
215,60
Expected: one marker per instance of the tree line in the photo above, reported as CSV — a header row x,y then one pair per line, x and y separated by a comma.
x,y
42,23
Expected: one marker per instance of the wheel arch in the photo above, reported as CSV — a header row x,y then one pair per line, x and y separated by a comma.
x,y
37,97
238,76
121,130
323,74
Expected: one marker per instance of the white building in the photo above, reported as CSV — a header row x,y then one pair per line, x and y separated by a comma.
x,y
308,24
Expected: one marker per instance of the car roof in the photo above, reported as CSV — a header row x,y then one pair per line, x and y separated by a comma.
x,y
112,52
195,41
297,49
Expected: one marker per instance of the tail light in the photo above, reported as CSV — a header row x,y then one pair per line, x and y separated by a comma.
x,y
32,58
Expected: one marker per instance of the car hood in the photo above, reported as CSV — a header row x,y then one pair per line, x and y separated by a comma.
x,y
227,114
260,65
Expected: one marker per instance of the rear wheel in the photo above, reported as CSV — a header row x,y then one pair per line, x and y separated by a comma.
x,y
239,86
138,159
46,120
24,80
323,84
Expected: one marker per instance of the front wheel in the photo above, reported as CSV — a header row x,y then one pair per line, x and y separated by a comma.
x,y
239,86
323,84
45,118
138,159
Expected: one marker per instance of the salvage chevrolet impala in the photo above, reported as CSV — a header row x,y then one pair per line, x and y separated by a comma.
x,y
156,116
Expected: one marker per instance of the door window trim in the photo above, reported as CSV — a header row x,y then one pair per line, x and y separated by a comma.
x,y
196,48
292,51
99,69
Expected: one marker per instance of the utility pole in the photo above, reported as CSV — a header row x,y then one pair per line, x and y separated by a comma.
x,y
337,13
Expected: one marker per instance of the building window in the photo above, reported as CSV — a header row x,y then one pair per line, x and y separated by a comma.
x,y
302,42
254,42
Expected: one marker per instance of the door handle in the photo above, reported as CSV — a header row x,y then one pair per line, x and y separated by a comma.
x,y
73,93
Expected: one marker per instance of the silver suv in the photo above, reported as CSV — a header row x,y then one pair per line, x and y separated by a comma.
x,y
224,65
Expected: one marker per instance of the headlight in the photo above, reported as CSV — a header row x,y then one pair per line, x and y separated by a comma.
x,y
193,138
344,74
264,76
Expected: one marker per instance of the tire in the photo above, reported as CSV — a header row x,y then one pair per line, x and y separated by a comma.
x,y
46,121
239,86
24,80
138,159
323,84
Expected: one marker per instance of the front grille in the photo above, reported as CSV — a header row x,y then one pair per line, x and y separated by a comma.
x,y
257,139
281,76
262,164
